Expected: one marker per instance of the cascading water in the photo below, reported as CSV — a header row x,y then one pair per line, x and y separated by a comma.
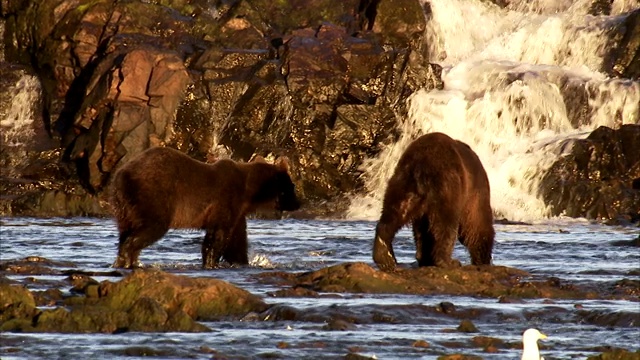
x,y
16,122
509,78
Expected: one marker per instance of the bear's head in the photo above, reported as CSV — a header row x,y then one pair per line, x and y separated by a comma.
x,y
276,190
286,199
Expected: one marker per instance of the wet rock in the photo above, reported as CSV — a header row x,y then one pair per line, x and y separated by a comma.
x,y
338,325
486,281
595,179
296,291
633,242
421,344
15,294
610,319
48,297
459,357
80,282
33,265
200,298
79,319
625,53
143,351
627,288
446,307
467,326
489,344
355,356
17,307
400,22
146,314
281,312
600,7
145,301
617,354
509,300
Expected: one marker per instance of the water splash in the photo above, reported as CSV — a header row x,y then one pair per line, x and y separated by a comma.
x,y
510,77
261,261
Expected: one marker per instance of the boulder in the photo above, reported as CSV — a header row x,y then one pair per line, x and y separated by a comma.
x,y
624,54
598,177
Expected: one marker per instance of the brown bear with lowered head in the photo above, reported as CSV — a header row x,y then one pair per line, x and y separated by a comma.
x,y
164,189
441,188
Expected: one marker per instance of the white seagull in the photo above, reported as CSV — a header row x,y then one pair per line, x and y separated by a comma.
x,y
530,341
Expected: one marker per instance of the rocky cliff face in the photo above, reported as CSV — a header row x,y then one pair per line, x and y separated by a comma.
x,y
322,82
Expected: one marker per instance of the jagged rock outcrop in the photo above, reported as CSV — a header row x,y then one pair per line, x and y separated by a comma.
x,y
624,56
599,177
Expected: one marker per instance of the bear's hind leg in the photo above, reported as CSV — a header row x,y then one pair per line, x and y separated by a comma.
x,y
213,246
237,249
444,229
424,242
478,234
480,247
132,242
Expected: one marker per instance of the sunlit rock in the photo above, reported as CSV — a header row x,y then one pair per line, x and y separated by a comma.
x,y
597,177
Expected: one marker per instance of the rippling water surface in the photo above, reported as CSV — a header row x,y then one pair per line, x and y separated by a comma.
x,y
570,250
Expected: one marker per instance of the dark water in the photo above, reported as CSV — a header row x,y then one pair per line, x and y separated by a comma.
x,y
388,325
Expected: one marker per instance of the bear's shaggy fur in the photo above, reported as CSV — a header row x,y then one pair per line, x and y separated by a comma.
x,y
441,188
163,188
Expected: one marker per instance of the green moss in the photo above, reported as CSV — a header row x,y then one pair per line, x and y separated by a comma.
x,y
17,325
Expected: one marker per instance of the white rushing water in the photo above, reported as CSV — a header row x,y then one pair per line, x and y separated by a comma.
x,y
16,122
505,74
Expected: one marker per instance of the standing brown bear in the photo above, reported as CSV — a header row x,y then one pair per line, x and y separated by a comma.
x,y
163,188
441,188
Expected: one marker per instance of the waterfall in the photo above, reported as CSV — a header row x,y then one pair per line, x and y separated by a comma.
x,y
511,76
16,121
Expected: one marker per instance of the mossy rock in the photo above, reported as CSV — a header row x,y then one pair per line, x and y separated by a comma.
x,y
200,298
15,294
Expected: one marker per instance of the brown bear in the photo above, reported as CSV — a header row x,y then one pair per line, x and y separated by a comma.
x,y
440,187
164,189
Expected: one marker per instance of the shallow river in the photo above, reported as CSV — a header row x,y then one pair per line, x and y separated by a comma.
x,y
573,250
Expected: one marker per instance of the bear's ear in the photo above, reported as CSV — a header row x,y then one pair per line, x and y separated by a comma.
x,y
258,159
283,163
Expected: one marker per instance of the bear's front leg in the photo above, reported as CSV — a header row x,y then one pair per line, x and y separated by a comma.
x,y
213,247
383,254
237,249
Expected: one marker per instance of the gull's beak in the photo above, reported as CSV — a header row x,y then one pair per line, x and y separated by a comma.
x,y
543,336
